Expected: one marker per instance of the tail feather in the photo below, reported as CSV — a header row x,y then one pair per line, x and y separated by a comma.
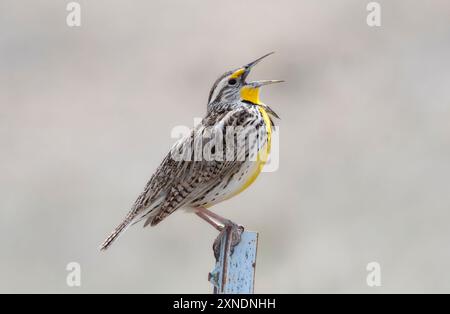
x,y
116,233
133,217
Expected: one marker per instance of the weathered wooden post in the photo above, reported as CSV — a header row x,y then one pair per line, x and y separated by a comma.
x,y
235,271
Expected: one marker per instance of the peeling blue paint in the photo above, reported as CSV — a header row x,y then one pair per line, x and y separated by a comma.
x,y
235,273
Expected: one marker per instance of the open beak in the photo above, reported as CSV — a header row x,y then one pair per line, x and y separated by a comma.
x,y
250,90
256,84
247,68
253,63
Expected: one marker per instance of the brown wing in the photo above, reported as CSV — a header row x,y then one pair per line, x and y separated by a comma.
x,y
199,177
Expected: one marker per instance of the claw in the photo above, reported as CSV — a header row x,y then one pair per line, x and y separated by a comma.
x,y
234,233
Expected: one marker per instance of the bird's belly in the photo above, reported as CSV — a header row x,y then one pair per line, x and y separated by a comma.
x,y
237,183
248,172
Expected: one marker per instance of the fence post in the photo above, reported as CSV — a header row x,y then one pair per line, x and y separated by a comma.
x,y
235,272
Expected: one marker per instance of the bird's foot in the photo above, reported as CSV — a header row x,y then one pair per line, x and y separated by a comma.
x,y
230,232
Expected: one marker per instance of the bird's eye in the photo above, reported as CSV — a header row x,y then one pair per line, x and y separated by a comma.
x,y
232,81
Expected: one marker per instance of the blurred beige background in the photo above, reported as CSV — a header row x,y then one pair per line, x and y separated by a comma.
x,y
86,115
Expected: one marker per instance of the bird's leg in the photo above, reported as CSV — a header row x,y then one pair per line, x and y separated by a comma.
x,y
226,227
209,220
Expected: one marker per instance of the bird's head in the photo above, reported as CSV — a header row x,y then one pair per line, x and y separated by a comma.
x,y
232,86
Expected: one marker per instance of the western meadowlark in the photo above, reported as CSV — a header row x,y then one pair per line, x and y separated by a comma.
x,y
185,180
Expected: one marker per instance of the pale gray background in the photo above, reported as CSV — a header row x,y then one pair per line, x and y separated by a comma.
x,y
86,115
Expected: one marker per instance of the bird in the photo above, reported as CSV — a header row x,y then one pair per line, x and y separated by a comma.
x,y
234,141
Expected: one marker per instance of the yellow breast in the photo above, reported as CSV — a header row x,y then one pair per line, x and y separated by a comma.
x,y
262,156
